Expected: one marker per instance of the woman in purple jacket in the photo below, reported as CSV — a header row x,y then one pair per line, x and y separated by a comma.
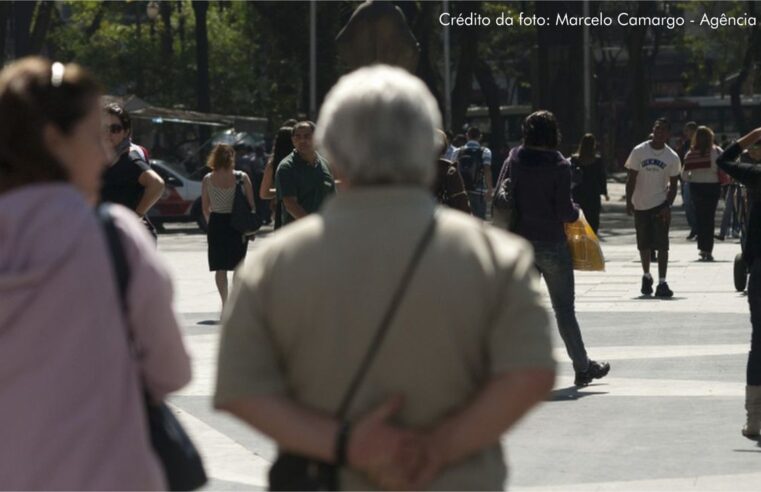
x,y
71,399
542,180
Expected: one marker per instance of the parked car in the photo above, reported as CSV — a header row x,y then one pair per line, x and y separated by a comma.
x,y
181,201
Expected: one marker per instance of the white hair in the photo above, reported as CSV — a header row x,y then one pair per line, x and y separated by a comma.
x,y
378,126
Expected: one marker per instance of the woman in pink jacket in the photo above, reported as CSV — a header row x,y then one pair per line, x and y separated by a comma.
x,y
71,404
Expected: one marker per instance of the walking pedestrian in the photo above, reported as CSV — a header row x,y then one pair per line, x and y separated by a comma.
x,y
129,179
653,173
303,179
474,164
448,187
542,182
702,175
72,392
750,175
226,246
466,352
689,210
281,149
730,221
592,180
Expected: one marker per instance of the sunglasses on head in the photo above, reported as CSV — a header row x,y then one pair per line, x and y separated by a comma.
x,y
115,128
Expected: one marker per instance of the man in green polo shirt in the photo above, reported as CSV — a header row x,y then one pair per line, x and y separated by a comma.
x,y
303,179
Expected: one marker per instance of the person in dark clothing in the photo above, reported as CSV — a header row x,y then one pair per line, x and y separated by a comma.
x,y
750,176
689,210
281,149
448,187
592,180
129,180
542,184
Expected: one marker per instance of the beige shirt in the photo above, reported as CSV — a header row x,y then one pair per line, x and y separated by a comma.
x,y
309,300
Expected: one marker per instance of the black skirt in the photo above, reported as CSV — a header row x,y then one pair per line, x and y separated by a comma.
x,y
227,247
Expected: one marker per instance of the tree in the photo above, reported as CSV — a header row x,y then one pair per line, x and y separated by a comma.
x,y
200,8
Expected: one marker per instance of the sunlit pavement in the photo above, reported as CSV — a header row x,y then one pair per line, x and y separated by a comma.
x,y
668,416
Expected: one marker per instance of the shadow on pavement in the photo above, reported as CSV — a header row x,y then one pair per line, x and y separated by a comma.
x,y
210,322
572,393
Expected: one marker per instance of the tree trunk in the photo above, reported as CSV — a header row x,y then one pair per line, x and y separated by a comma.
x,y
558,84
466,64
41,26
754,43
96,21
22,23
165,9
5,14
490,89
639,93
202,56
423,30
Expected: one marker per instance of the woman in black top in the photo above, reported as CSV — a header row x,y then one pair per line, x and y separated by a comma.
x,y
750,176
280,150
589,179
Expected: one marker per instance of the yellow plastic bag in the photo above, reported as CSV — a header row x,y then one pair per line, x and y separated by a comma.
x,y
584,246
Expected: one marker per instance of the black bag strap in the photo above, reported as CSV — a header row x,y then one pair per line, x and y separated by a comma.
x,y
116,250
388,317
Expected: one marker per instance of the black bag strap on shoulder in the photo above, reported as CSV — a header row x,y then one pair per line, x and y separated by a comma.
x,y
116,250
388,317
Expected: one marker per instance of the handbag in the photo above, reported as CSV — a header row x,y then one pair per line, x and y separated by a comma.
x,y
242,219
182,465
504,206
296,472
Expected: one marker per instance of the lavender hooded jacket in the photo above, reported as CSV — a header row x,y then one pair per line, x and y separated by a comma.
x,y
71,412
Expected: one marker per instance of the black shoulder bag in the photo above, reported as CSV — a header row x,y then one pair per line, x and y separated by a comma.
x,y
295,472
180,460
242,218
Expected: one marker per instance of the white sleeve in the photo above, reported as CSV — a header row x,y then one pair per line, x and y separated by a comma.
x,y
486,157
633,161
676,166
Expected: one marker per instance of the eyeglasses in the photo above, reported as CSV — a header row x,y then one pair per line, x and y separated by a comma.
x,y
115,128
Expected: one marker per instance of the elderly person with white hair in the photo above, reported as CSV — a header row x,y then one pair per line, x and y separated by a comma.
x,y
388,341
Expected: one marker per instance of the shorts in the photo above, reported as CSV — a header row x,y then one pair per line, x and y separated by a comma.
x,y
652,231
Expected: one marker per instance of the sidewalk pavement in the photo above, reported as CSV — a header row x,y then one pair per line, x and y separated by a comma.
x,y
667,417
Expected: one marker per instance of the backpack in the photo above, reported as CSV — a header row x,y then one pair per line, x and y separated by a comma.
x,y
470,163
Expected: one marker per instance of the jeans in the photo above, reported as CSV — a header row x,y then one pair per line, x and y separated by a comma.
x,y
477,204
753,375
689,208
705,198
553,260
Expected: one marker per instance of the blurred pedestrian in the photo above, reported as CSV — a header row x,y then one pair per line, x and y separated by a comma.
x,y
702,174
653,174
750,175
281,149
72,392
226,246
302,179
542,183
467,349
129,179
592,180
689,210
474,164
448,187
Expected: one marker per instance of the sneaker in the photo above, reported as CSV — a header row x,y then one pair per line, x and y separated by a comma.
x,y
692,236
647,285
720,237
706,256
663,291
596,370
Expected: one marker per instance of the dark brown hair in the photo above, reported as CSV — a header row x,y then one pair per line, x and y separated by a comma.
x,y
282,146
586,150
222,156
118,110
540,129
31,96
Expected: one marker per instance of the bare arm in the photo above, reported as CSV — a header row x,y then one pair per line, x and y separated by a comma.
x,y
293,207
747,174
673,186
249,190
389,455
497,407
205,201
489,183
631,184
267,180
154,187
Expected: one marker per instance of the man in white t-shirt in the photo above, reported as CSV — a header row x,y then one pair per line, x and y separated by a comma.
x,y
651,187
